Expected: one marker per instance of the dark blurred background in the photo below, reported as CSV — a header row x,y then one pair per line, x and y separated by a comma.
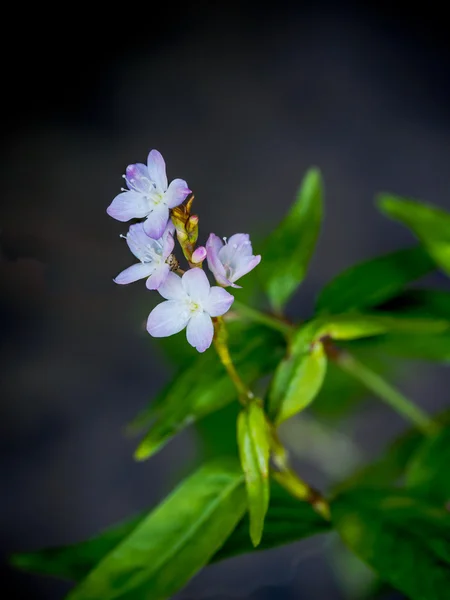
x,y
240,99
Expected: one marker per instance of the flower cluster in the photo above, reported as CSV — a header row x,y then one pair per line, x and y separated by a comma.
x,y
190,301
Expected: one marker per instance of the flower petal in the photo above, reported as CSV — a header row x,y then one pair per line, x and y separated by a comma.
x,y
219,302
213,245
244,266
135,272
172,288
158,277
168,240
156,221
167,318
200,331
140,243
138,178
157,170
196,285
129,205
176,193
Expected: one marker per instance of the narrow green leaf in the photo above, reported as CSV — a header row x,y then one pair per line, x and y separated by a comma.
x,y
403,539
288,249
433,347
174,541
253,442
374,281
427,474
430,224
287,520
205,387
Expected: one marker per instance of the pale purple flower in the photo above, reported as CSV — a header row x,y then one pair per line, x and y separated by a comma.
x,y
153,255
190,302
148,195
230,260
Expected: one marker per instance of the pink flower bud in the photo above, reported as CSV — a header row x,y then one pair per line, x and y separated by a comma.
x,y
199,255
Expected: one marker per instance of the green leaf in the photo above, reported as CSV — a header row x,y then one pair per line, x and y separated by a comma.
x,y
287,520
300,375
288,249
430,224
305,383
174,541
74,561
253,442
374,281
403,539
205,387
291,369
427,474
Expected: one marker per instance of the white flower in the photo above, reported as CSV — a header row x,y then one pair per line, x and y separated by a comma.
x,y
190,302
153,255
149,195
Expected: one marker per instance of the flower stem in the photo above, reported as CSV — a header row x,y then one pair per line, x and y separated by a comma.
x,y
291,482
381,388
265,319
221,346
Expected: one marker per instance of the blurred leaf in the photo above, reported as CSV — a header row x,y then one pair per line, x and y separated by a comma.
x,y
427,474
371,282
288,249
216,433
340,392
430,224
253,442
390,466
287,520
434,347
204,387
403,539
174,541
419,303
76,560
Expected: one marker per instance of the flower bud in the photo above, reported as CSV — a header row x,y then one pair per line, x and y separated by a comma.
x,y
199,255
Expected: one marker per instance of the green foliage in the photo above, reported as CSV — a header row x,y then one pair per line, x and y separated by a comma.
x,y
393,513
427,474
404,539
430,224
373,281
254,450
204,387
289,247
287,520
174,541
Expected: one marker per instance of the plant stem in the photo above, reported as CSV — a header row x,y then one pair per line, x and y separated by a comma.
x,y
265,319
291,482
221,346
383,390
